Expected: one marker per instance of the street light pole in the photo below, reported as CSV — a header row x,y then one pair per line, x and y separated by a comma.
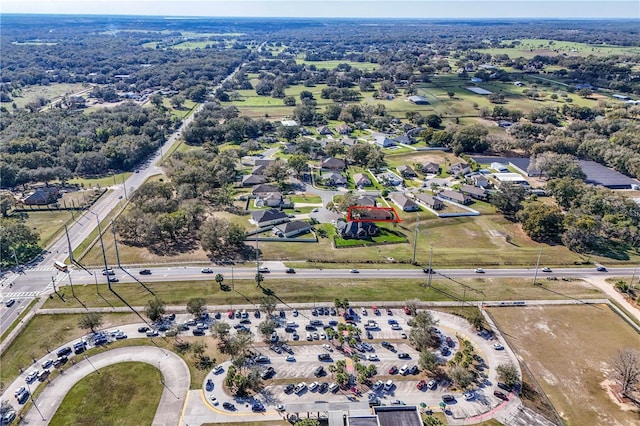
x,y
104,256
89,361
535,275
430,265
115,243
34,403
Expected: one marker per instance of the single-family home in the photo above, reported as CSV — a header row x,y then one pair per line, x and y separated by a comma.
x,y
250,180
389,179
366,200
43,196
455,196
384,142
270,199
459,169
333,178
343,129
405,139
360,179
406,204
357,230
418,100
269,217
291,229
259,169
288,123
429,201
406,172
480,180
264,189
474,192
262,162
430,168
332,163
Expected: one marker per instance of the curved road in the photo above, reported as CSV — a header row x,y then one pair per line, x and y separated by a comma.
x,y
174,371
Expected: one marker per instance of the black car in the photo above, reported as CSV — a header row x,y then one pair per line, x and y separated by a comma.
x,y
257,407
289,388
198,332
217,315
9,303
403,355
500,395
256,313
319,371
323,387
290,271
448,398
145,272
504,386
228,406
143,329
64,351
428,270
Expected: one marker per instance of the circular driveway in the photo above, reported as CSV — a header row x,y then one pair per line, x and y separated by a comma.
x,y
174,371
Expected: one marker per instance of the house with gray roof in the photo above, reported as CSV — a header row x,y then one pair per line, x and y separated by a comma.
x,y
269,217
250,180
332,163
291,229
418,100
360,179
357,230
384,142
406,171
455,196
333,178
474,192
459,169
264,189
429,201
430,168
406,204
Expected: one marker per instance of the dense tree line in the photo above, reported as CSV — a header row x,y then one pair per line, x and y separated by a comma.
x,y
58,144
17,241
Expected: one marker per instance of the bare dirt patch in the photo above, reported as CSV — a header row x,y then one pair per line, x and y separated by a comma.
x,y
567,349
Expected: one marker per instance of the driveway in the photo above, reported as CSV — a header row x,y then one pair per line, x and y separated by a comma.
x,y
174,371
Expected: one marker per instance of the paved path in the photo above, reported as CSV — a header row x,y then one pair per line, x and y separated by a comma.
x,y
174,371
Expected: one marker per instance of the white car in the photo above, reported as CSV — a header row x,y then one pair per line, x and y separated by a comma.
x,y
280,407
372,357
214,400
300,387
313,386
291,358
327,347
498,346
469,396
479,271
377,385
546,269
31,376
48,363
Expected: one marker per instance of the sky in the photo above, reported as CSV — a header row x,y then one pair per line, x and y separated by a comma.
x,y
572,9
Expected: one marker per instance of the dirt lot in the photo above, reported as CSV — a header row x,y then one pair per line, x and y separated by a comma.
x,y
568,349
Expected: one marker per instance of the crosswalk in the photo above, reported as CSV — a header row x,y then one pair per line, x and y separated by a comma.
x,y
21,294
41,269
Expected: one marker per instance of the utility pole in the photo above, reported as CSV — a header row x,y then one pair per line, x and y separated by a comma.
x,y
66,231
115,243
124,185
631,285
430,266
104,256
415,241
535,275
15,257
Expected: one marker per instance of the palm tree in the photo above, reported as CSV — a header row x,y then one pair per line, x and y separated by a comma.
x,y
219,279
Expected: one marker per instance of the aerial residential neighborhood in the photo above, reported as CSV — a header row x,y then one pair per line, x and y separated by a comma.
x,y
347,214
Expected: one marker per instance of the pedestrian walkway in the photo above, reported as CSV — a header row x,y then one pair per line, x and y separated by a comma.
x,y
20,294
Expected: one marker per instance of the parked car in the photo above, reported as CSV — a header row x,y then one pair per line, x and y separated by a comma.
x,y
500,395
313,386
448,398
421,385
289,388
143,329
504,386
404,355
377,385
432,384
209,385
300,387
218,369
31,376
388,385
393,370
498,346
228,406
469,396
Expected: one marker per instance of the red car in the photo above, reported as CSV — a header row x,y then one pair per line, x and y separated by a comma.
x,y
393,370
421,384
406,311
230,315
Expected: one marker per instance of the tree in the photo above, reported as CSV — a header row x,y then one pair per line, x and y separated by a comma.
x,y
298,163
221,330
178,101
470,139
556,165
451,94
541,222
412,305
509,198
219,279
7,201
268,305
266,328
429,362
16,237
308,422
461,376
289,133
277,170
196,306
155,309
626,369
420,333
91,321
508,374
434,121
220,237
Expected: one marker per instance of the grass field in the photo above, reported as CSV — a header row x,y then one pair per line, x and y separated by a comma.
x,y
298,290
568,349
529,48
47,332
129,394
101,182
49,92
364,66
48,224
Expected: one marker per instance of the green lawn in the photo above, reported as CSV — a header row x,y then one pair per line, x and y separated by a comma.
x,y
102,182
364,66
123,394
385,237
306,198
50,92
49,224
529,48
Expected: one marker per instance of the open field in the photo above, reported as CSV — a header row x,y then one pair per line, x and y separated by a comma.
x,y
49,92
568,349
49,224
101,182
129,395
528,48
324,290
364,66
46,332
